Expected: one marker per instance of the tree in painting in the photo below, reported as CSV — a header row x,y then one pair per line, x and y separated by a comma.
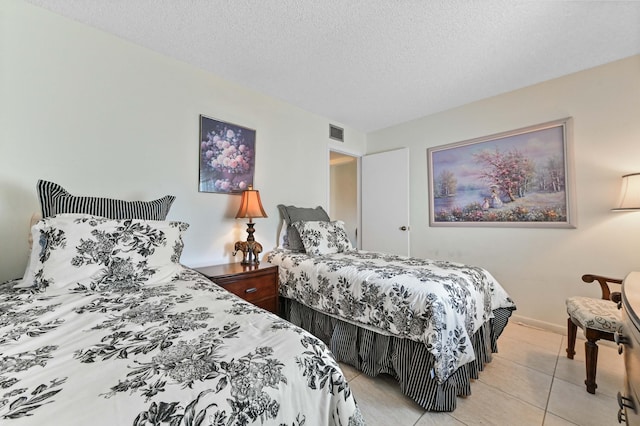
x,y
551,176
446,184
511,172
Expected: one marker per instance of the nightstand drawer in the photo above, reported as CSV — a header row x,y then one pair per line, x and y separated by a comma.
x,y
270,304
250,289
255,284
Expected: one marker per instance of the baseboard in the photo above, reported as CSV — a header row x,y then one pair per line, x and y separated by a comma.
x,y
542,325
554,328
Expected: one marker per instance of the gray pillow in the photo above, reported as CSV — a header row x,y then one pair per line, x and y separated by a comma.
x,y
292,214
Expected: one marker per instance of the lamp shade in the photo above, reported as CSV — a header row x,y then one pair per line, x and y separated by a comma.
x,y
629,193
250,205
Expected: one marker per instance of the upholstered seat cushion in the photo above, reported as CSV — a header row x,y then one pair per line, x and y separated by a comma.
x,y
597,314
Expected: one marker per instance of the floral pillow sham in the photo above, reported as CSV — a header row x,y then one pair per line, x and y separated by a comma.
x,y
320,237
97,252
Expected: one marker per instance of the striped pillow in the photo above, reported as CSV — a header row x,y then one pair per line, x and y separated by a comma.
x,y
54,200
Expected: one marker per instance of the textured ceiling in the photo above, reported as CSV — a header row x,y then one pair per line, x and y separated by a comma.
x,y
370,64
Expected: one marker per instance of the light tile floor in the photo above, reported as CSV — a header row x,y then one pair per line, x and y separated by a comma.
x,y
530,381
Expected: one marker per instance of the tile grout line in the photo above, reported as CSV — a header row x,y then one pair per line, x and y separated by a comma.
x,y
553,379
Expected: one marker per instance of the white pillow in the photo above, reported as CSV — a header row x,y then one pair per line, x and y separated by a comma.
x,y
319,237
97,252
283,238
35,217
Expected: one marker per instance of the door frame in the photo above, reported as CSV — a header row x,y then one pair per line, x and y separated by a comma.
x,y
358,157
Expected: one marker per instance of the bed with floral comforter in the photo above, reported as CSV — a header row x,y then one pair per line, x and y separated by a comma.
x,y
431,324
107,328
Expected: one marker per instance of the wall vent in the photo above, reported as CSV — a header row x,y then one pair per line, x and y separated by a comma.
x,y
336,133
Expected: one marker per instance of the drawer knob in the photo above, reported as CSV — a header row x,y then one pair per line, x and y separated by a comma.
x,y
623,401
622,416
251,290
620,341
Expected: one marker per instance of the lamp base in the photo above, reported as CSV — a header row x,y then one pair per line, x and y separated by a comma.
x,y
250,251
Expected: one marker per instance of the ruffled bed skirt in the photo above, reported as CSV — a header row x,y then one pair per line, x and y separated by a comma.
x,y
408,361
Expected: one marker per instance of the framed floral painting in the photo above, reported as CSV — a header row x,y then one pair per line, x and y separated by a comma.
x,y
227,156
521,178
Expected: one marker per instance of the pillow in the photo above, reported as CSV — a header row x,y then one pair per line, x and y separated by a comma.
x,y
35,217
54,200
292,214
283,239
98,252
321,237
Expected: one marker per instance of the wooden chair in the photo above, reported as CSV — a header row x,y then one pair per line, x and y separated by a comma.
x,y
598,318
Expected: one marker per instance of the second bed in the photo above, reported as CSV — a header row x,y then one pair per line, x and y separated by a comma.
x,y
432,325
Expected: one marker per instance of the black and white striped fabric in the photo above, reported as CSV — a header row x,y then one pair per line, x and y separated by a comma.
x,y
54,199
409,362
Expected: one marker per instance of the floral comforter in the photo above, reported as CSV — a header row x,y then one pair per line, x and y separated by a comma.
x,y
184,352
438,303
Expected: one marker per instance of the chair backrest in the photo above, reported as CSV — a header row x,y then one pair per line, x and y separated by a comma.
x,y
604,285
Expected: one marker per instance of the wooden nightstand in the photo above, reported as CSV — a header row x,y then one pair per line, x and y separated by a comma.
x,y
255,284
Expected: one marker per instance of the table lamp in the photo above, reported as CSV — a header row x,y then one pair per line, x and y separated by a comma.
x,y
251,207
629,193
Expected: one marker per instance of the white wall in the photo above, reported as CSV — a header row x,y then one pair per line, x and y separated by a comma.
x,y
104,117
541,267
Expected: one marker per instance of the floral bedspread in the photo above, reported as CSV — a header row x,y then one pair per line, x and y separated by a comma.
x,y
438,303
184,352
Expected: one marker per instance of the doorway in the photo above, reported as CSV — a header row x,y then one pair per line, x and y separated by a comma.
x,y
343,192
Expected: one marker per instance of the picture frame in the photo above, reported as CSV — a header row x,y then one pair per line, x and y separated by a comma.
x,y
227,156
518,178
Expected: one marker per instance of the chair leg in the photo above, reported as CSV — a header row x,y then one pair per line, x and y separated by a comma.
x,y
571,338
591,355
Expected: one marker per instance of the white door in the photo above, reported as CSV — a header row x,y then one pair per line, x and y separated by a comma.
x,y
385,202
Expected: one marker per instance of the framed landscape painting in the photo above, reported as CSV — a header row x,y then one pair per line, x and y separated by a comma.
x,y
521,178
227,156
